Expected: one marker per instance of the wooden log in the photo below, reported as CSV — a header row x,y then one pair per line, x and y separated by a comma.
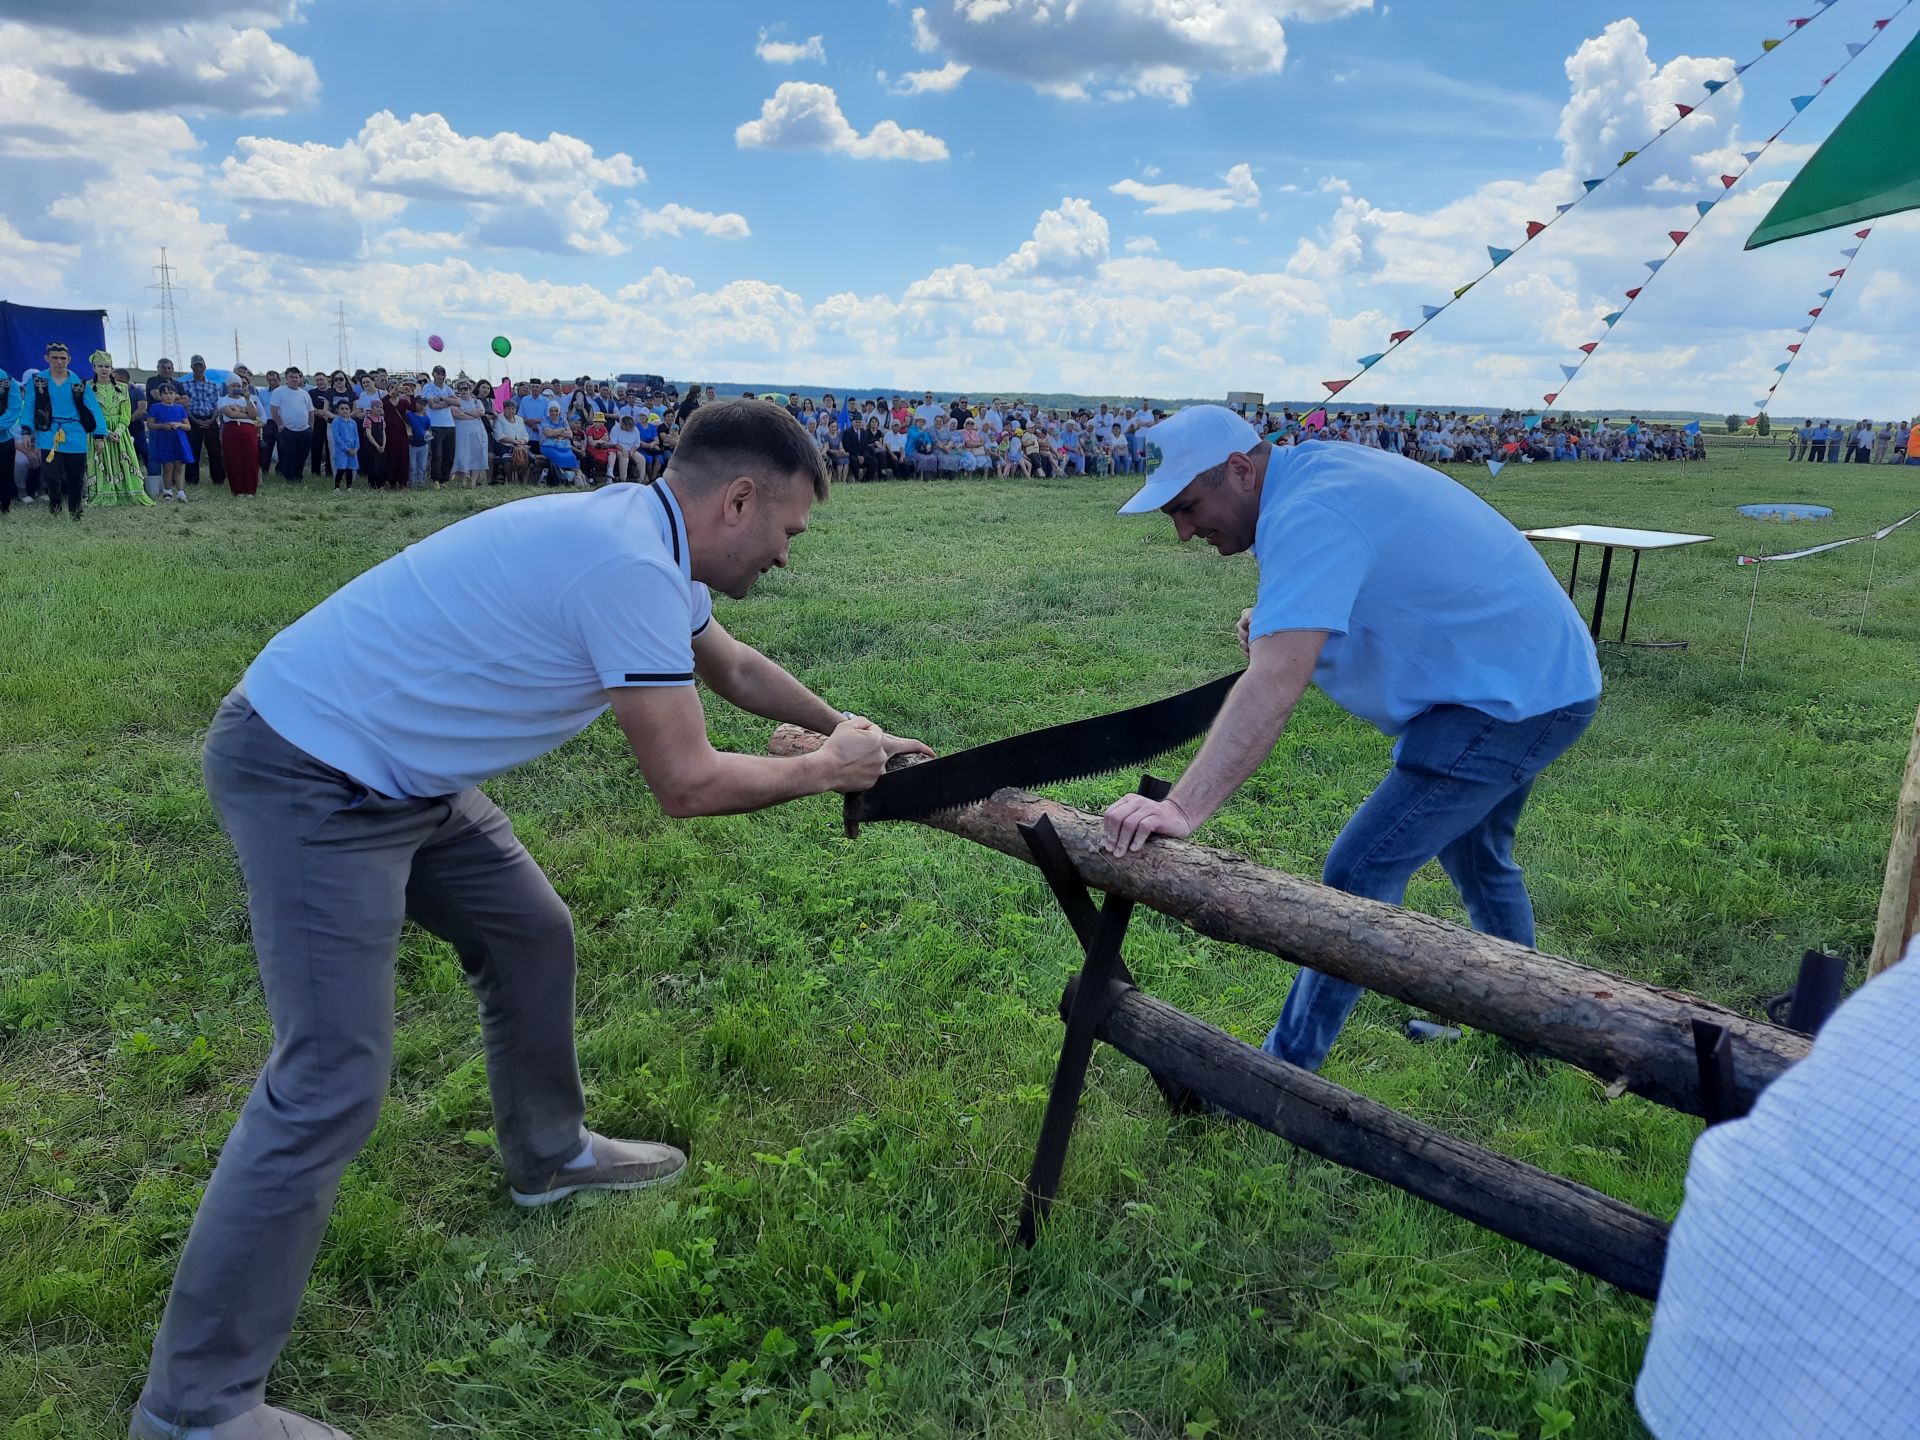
x,y
1546,1212
1620,1030
1900,891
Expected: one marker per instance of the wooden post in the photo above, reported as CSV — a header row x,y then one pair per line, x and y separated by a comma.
x,y
1590,1231
1618,1029
1900,892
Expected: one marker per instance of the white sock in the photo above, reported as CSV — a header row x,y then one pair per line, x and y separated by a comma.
x,y
198,1432
583,1159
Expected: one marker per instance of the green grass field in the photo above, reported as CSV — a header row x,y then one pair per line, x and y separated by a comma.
x,y
853,1038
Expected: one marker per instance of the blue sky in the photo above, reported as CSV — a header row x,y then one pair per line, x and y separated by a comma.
x,y
1175,197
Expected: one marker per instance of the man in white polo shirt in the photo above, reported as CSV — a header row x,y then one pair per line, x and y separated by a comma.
x,y
438,398
344,768
1414,605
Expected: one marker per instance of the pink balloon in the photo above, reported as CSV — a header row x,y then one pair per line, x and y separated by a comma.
x,y
434,342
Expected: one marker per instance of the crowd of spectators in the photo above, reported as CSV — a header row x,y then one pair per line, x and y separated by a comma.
x,y
77,436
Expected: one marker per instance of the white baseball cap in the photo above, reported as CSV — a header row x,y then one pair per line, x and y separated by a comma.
x,y
1181,446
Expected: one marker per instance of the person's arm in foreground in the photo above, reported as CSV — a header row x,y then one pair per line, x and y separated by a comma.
x,y
1280,668
667,729
741,675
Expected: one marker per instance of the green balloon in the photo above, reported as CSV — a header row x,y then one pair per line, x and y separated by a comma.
x,y
502,346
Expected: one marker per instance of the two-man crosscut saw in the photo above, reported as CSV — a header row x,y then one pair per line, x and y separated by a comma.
x,y
1041,757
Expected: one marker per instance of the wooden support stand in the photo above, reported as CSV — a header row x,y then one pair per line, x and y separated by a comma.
x,y
1900,891
1618,1029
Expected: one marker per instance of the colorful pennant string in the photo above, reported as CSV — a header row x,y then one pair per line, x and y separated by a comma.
x,y
1679,237
1839,278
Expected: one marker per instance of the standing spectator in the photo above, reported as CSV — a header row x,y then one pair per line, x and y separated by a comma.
x,y
419,437
239,415
688,405
292,407
116,475
269,431
438,399
1883,438
168,437
343,443
398,456
1863,443
470,460
137,426
9,422
1800,441
65,414
201,396
372,418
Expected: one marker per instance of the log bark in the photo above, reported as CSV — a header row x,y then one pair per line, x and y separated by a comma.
x,y
1620,1030
1590,1231
1900,891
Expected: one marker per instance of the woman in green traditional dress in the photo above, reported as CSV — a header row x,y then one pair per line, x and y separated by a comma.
x,y
116,475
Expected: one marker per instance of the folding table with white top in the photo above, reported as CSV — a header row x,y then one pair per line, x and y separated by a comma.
x,y
1611,538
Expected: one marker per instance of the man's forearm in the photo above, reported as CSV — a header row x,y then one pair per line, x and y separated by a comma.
x,y
738,784
764,688
1239,743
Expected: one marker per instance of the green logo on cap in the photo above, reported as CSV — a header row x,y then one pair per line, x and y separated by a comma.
x,y
1153,457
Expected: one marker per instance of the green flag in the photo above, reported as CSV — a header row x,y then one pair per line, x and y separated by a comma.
x,y
1868,167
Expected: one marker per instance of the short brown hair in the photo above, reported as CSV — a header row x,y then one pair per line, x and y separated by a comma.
x,y
726,438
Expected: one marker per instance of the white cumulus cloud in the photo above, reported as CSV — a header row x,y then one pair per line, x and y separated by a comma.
x,y
1240,189
1151,48
927,82
1071,240
677,219
790,52
804,116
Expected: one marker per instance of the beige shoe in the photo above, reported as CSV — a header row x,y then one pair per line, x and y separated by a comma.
x,y
617,1165
263,1422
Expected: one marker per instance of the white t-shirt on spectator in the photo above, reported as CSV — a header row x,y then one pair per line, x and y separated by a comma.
x,y
489,642
438,418
293,408
930,412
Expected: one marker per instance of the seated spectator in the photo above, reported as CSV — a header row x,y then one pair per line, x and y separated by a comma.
x,y
511,451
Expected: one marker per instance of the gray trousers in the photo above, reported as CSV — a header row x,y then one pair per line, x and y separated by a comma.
x,y
331,870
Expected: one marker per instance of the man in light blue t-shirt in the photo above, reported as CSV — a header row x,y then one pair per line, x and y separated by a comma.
x,y
1417,607
345,769
437,399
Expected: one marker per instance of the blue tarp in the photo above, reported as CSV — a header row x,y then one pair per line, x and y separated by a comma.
x,y
26,330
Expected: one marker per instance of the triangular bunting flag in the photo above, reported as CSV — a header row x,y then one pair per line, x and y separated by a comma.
x,y
1862,234
1767,45
1714,87
1463,289
1793,349
1816,313
1397,336
1427,312
1317,420
1835,274
1752,155
1590,346
1624,158
1593,185
1881,24
1742,69
1798,23
1367,362
1534,227
1634,294
1804,330
1829,80
1334,387
1569,371
1763,402
1703,206
1676,236
1551,398
1828,294
1685,110
1851,251
1494,467
1498,254
1782,369
1800,102
1728,180
1854,47
1608,320
1564,208
1654,265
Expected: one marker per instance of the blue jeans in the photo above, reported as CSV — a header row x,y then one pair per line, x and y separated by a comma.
x,y
1459,781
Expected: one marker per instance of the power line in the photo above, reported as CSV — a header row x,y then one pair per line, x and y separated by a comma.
x,y
132,327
